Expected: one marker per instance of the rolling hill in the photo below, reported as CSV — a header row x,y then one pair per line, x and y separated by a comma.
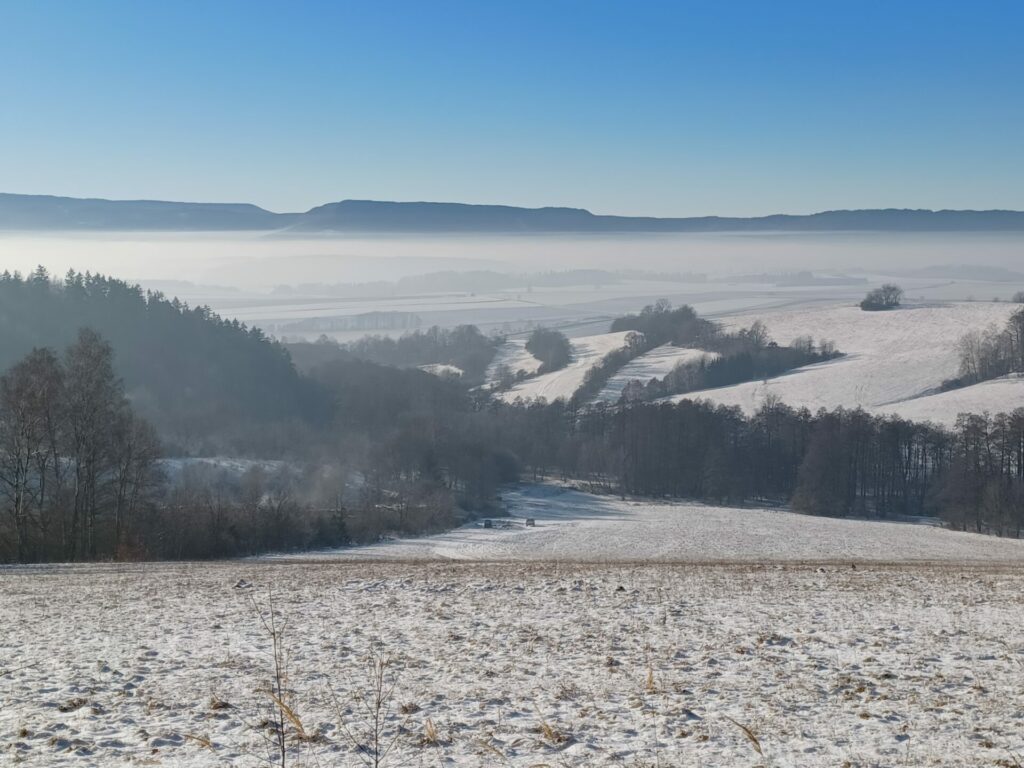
x,y
46,212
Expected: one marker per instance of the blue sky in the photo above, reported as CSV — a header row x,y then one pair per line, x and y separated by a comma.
x,y
681,108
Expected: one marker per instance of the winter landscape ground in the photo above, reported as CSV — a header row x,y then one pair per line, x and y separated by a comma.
x,y
857,644
894,361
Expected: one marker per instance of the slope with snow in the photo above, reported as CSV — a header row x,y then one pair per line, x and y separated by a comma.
x,y
514,356
996,396
580,527
890,358
587,351
651,365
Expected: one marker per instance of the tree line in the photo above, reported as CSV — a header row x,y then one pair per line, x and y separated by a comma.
x,y
76,462
990,353
84,473
835,463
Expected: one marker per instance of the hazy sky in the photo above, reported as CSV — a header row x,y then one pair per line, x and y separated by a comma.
x,y
678,108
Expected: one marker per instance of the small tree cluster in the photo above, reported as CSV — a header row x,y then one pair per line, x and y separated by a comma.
x,y
551,347
888,296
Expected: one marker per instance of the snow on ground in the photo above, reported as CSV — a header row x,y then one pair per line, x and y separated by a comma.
x,y
655,364
516,664
443,370
996,396
891,357
512,354
579,527
587,351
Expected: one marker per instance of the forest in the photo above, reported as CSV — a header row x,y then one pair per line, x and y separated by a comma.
x,y
93,463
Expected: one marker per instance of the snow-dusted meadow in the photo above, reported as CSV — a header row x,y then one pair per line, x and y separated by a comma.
x,y
587,352
912,655
520,664
655,364
894,362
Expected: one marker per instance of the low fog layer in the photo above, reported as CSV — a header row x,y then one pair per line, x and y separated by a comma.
x,y
258,262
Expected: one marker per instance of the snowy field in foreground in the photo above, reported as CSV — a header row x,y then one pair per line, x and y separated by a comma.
x,y
518,664
891,358
574,526
587,351
655,364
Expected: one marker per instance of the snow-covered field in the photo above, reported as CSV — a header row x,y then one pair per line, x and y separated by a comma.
x,y
537,658
655,364
587,351
514,356
996,396
891,359
517,664
580,527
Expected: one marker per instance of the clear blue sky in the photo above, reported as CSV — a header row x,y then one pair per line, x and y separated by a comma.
x,y
676,108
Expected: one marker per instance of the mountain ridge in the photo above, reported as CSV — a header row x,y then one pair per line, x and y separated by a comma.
x,y
54,213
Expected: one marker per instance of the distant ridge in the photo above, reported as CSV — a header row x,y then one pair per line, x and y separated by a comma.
x,y
47,213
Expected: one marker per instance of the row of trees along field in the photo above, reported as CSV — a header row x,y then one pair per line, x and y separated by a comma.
x,y
747,354
991,353
75,460
834,463
397,450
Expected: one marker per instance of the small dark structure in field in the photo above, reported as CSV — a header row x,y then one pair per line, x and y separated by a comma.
x,y
530,522
488,524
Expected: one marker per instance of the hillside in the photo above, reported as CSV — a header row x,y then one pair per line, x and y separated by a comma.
x,y
651,365
186,370
587,352
46,212
893,361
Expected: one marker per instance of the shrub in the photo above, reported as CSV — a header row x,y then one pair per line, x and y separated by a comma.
x,y
551,347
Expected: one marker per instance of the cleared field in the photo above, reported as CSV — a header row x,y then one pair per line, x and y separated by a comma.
x,y
512,354
891,359
587,351
580,527
655,364
516,664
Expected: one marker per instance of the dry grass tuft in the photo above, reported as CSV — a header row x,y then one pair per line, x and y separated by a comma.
x,y
751,736
430,737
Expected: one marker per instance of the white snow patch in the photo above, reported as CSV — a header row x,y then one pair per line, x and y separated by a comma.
x,y
443,370
655,364
581,527
890,356
512,354
587,351
1001,395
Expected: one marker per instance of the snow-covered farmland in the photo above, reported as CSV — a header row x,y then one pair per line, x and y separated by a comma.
x,y
579,527
996,396
587,351
513,356
652,365
891,358
516,664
